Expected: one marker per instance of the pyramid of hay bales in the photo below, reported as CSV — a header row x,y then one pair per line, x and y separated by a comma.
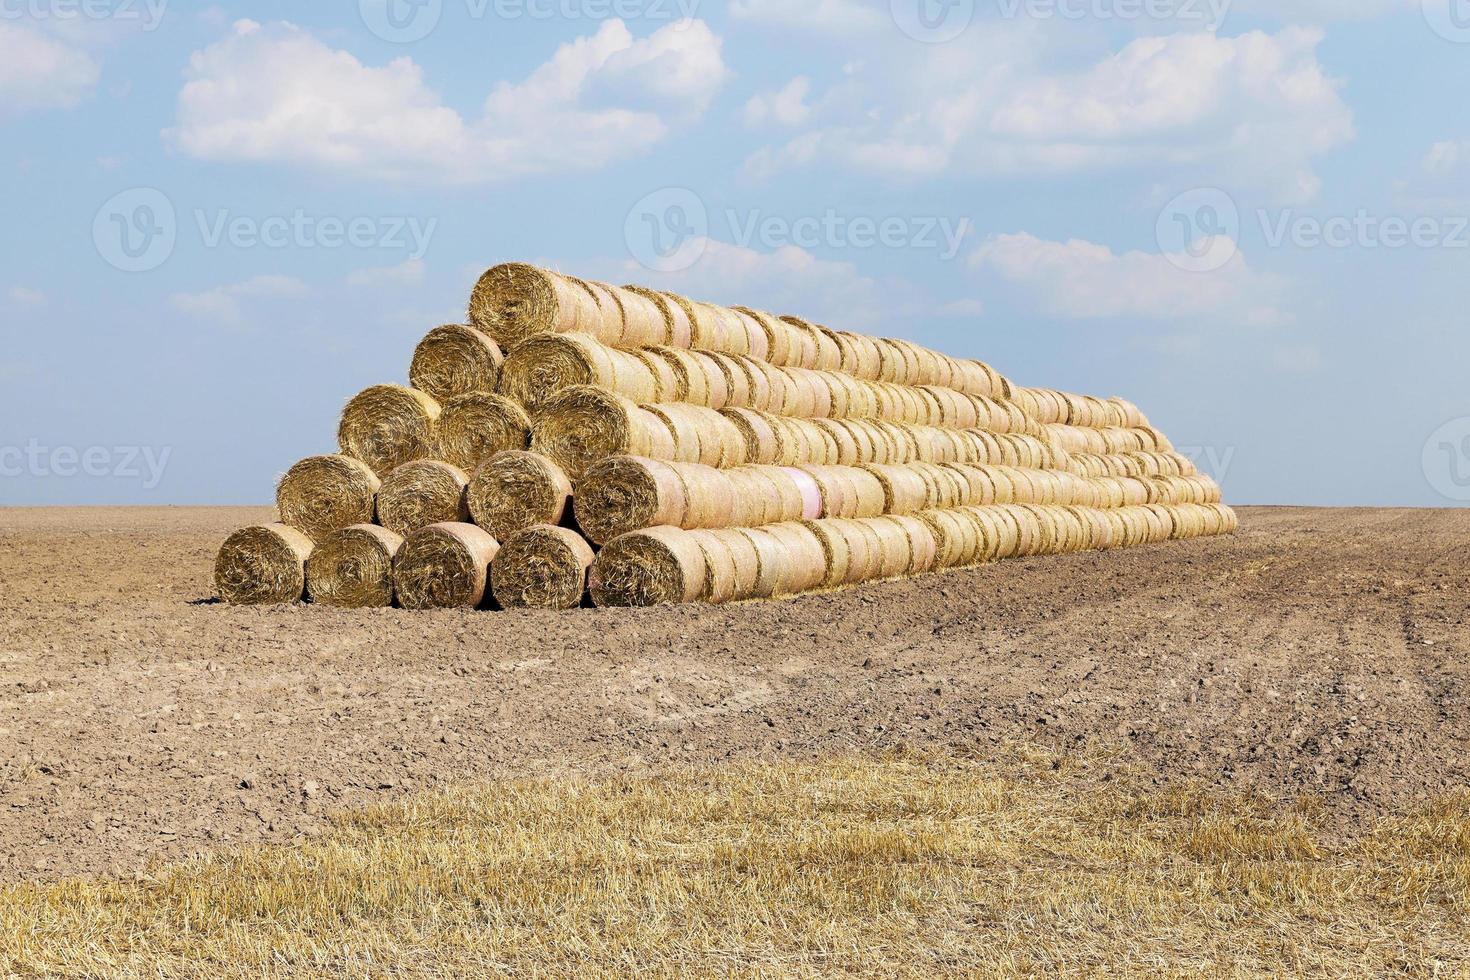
x,y
583,442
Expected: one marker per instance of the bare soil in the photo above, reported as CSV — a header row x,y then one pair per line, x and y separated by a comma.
x,y
1317,652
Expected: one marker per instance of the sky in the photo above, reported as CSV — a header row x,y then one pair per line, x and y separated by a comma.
x,y
1249,216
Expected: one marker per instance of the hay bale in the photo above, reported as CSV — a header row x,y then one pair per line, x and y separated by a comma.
x,y
732,562
387,426
541,567
652,567
322,494
514,301
444,566
586,424
515,490
628,493
701,435
473,428
455,360
540,368
421,493
678,331
262,564
353,568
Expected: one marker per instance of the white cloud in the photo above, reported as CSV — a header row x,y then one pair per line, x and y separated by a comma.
x,y
787,280
41,72
409,273
276,93
786,107
962,308
1082,280
25,296
1256,109
223,303
1442,178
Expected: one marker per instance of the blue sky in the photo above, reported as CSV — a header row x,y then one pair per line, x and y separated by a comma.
x,y
1248,216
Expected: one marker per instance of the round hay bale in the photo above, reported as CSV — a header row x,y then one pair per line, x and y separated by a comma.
x,y
803,562
386,426
421,493
644,323
701,435
542,567
732,563
585,424
353,568
322,494
653,567
608,327
540,368
473,428
514,301
757,345
262,565
515,490
444,566
678,331
837,551
628,493
758,431
777,338
455,360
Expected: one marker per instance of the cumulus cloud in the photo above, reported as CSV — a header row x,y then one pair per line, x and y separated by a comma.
x,y
786,107
278,94
1441,180
1082,280
223,304
38,71
1258,108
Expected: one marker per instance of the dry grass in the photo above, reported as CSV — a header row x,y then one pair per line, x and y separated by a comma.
x,y
903,866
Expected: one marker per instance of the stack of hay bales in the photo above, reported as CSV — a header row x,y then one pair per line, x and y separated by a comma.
x,y
577,441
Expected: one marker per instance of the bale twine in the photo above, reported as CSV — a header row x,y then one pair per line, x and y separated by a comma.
x,y
652,567
455,360
387,426
585,424
628,493
540,368
322,494
261,565
515,490
473,428
514,301
444,566
678,331
542,567
421,493
353,568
